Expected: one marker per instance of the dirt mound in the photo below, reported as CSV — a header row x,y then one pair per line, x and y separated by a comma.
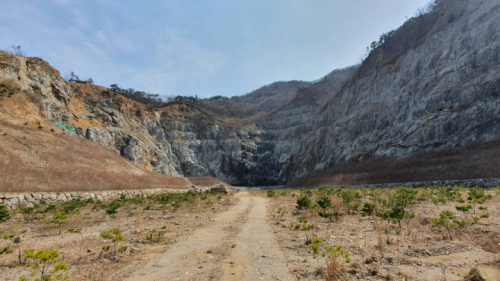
x,y
47,159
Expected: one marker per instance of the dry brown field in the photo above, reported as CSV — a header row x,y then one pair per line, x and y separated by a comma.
x,y
265,235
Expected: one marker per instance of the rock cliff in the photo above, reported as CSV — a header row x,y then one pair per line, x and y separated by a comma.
x,y
434,84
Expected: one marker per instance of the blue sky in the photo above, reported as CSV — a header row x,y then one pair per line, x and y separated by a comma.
x,y
199,47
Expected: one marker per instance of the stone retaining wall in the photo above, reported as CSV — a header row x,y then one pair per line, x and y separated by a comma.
x,y
467,183
13,200
494,182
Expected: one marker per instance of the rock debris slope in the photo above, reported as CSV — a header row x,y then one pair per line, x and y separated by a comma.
x,y
433,83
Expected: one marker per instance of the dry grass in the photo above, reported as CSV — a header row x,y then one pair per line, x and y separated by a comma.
x,y
88,260
33,159
333,269
405,257
472,161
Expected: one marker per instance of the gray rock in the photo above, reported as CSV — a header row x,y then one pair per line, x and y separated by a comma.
x,y
158,265
62,197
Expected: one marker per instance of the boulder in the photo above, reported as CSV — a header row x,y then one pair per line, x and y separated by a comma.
x,y
14,201
62,197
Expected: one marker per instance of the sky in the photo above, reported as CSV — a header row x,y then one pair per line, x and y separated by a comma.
x,y
199,47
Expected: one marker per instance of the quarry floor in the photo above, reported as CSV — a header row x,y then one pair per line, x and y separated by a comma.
x,y
250,242
250,236
238,244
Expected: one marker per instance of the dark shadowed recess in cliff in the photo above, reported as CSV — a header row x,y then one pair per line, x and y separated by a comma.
x,y
471,161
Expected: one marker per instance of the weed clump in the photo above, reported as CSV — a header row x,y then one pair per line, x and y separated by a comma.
x,y
304,202
41,261
4,213
115,235
8,88
474,275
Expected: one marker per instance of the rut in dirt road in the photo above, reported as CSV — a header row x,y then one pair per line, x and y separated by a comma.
x,y
238,245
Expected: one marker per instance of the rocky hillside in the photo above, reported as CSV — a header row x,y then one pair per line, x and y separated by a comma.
x,y
258,103
432,84
437,89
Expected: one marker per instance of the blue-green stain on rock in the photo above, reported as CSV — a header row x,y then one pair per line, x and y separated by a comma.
x,y
67,128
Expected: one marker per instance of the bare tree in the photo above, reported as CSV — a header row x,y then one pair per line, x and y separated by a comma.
x,y
15,50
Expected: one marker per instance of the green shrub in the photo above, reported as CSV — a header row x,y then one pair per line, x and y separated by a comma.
x,y
6,250
302,220
304,202
114,234
349,196
369,208
307,227
4,213
317,240
446,219
73,205
315,248
271,193
59,220
28,213
484,216
49,208
319,271
122,249
281,212
42,260
112,208
326,215
324,202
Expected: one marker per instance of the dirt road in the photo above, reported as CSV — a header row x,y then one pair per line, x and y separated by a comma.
x,y
237,245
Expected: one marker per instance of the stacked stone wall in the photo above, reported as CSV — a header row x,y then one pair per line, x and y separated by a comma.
x,y
14,200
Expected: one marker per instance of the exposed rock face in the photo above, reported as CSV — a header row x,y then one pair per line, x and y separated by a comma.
x,y
442,89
